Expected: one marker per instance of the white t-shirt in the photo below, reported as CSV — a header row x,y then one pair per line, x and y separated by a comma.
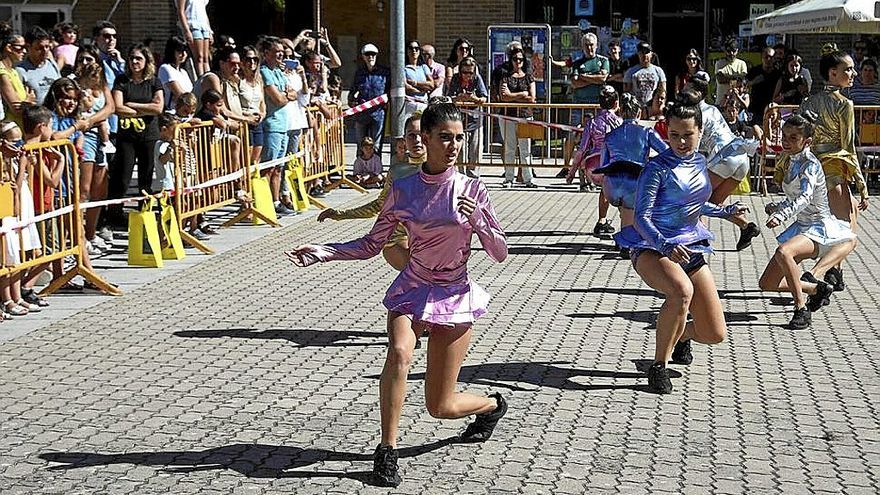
x,y
735,68
168,74
296,110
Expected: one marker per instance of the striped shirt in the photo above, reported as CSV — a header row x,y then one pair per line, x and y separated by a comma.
x,y
865,94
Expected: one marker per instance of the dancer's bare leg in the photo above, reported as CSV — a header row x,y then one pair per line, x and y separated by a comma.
x,y
708,326
783,274
626,217
721,190
668,278
447,348
842,206
392,384
832,258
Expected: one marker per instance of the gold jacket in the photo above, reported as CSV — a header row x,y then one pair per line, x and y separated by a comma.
x,y
834,135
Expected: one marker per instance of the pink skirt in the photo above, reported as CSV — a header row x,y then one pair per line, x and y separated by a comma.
x,y
588,163
444,305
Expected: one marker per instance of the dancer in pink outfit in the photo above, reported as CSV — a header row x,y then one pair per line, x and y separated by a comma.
x,y
441,211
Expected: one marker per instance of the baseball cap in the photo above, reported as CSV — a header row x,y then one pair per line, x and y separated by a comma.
x,y
369,48
644,47
702,75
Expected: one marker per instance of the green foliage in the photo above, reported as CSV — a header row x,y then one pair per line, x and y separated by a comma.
x,y
277,4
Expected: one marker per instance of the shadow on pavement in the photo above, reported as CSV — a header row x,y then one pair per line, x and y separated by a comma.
x,y
539,374
544,233
560,248
649,317
301,337
252,460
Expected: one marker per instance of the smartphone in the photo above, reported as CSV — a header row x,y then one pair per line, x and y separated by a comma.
x,y
291,63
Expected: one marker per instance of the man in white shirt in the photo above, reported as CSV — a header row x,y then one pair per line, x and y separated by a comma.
x,y
727,69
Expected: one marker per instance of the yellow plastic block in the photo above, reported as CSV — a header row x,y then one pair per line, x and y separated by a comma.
x,y
263,200
300,197
144,248
173,250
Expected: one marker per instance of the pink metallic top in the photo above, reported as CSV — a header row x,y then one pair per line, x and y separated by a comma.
x,y
597,128
434,287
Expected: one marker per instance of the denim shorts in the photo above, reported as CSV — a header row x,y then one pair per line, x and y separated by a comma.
x,y
200,33
92,151
275,146
257,135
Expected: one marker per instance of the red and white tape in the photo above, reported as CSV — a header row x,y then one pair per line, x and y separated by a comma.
x,y
375,102
509,118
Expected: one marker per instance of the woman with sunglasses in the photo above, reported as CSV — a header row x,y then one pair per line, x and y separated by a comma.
x,y
467,86
12,88
441,211
138,97
693,63
418,80
97,102
461,49
516,86
253,102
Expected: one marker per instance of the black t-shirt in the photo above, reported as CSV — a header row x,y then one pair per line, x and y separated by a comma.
x,y
138,128
204,115
618,66
761,93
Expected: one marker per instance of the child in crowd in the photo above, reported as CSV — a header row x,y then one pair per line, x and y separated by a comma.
x,y
334,87
816,232
185,108
399,151
92,103
368,166
165,153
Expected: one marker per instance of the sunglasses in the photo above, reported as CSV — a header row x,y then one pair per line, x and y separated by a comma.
x,y
464,48
252,59
518,59
692,59
136,57
467,72
108,35
17,48
415,48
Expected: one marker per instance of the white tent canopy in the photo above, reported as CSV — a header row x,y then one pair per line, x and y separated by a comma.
x,y
822,16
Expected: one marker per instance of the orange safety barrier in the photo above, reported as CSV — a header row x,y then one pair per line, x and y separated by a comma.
x,y
43,225
212,170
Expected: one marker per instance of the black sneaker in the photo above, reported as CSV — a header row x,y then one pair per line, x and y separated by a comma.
x,y
31,297
607,228
624,253
484,424
809,277
746,235
822,297
801,319
682,353
658,379
834,276
385,466
562,174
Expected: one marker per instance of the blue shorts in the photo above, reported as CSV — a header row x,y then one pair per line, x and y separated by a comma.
x,y
200,33
257,135
275,146
92,151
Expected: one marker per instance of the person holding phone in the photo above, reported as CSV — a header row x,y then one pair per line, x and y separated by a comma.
x,y
309,40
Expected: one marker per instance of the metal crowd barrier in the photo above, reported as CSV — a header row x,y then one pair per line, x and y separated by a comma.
x,y
44,225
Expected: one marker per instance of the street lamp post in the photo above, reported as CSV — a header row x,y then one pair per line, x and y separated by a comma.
x,y
397,42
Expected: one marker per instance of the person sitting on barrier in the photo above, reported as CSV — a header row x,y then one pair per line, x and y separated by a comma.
x,y
396,250
816,233
367,168
442,210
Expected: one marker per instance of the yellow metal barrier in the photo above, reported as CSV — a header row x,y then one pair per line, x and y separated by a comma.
x,y
211,167
46,200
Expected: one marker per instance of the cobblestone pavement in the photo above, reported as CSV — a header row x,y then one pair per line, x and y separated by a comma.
x,y
246,375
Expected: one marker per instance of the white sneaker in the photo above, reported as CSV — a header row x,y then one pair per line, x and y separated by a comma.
x,y
507,185
92,249
108,147
106,234
99,243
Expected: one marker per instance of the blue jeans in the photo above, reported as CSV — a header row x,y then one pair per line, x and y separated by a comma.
x,y
369,126
292,147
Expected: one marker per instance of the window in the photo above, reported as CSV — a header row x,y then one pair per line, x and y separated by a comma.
x,y
24,16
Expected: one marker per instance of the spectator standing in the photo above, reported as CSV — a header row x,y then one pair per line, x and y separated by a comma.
x,y
224,79
866,90
172,74
277,96
106,40
370,81
310,41
15,94
67,37
467,86
297,122
460,49
693,63
517,86
617,66
645,79
438,70
38,71
137,95
588,76
97,103
859,53
761,80
419,82
791,88
727,69
253,104
192,16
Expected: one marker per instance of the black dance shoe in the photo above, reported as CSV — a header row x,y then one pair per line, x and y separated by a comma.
x,y
385,466
822,297
834,276
801,319
682,353
658,379
484,424
746,235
